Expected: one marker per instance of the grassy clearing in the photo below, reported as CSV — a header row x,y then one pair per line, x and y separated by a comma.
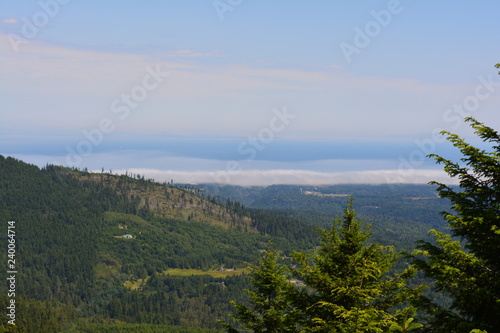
x,y
133,285
214,273
126,219
319,194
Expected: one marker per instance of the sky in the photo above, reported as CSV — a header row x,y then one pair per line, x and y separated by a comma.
x,y
247,92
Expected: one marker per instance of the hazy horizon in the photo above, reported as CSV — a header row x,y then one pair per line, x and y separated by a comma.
x,y
247,92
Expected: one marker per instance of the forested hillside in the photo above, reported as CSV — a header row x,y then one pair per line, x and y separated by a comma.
x,y
95,249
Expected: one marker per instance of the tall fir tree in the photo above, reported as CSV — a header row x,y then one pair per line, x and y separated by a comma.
x,y
270,309
349,288
467,267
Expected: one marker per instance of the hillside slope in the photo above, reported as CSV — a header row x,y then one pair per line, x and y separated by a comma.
x,y
167,201
101,248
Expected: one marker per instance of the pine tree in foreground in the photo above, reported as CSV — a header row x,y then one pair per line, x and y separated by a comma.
x,y
468,271
271,302
349,288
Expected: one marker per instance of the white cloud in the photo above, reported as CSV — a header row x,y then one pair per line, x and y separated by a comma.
x,y
44,68
57,69
44,82
189,53
215,172
294,177
10,20
163,167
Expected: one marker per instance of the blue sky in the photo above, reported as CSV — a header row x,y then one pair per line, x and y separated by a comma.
x,y
246,92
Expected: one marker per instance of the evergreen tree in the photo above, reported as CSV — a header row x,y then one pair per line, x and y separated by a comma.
x,y
348,286
468,271
270,299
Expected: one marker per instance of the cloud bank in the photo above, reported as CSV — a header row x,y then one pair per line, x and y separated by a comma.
x,y
293,177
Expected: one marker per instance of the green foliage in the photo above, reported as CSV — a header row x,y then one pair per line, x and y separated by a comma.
x,y
270,299
75,267
400,214
407,322
468,267
38,316
136,328
189,301
345,286
349,286
279,226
